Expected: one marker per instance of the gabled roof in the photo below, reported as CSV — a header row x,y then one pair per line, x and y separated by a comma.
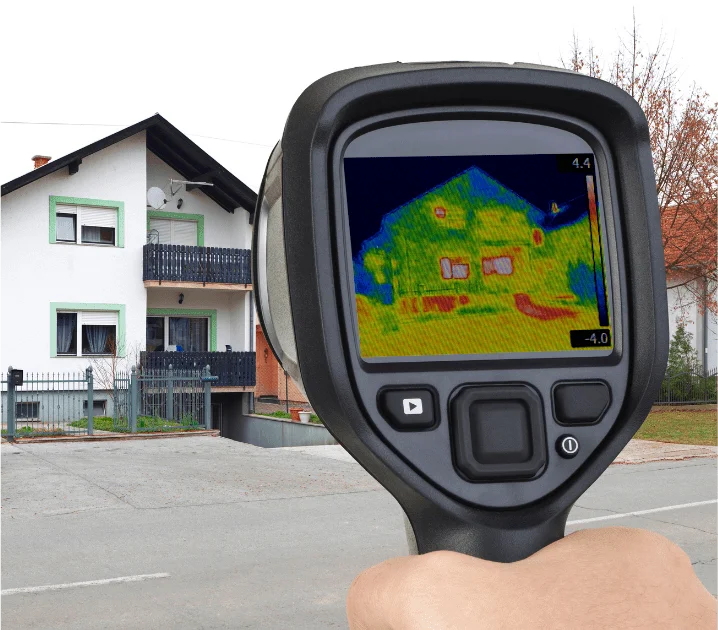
x,y
174,148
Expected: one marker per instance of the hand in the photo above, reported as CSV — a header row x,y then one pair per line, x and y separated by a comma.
x,y
597,578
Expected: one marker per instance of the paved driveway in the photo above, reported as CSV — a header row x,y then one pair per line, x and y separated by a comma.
x,y
232,536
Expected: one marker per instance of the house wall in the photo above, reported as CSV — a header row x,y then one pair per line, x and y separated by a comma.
x,y
221,228
36,272
230,307
270,374
267,375
702,326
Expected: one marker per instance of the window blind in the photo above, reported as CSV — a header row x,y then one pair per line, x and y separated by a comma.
x,y
99,318
164,229
99,217
184,232
175,232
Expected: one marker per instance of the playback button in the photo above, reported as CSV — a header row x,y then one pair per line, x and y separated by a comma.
x,y
408,409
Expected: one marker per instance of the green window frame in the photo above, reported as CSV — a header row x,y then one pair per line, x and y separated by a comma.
x,y
56,200
87,306
191,312
181,216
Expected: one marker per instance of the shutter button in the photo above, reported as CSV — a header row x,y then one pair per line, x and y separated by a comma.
x,y
567,446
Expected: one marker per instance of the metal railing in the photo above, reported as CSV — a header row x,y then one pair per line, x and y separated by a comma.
x,y
688,388
186,263
141,400
233,369
48,404
162,400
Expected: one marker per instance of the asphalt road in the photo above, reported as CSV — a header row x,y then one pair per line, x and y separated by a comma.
x,y
235,536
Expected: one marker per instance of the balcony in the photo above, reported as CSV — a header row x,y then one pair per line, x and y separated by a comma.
x,y
188,266
236,370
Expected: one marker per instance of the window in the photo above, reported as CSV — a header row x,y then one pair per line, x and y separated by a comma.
x,y
502,265
454,268
27,410
96,330
191,334
98,226
175,231
155,334
66,227
67,333
98,408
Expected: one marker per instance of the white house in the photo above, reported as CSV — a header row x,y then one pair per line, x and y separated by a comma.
x,y
88,268
702,324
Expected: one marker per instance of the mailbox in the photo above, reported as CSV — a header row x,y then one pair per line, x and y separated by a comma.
x,y
16,377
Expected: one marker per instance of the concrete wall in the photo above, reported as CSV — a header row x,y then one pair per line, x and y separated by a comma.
x,y
36,272
275,432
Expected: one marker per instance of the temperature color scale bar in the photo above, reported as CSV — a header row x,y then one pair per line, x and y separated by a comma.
x,y
597,256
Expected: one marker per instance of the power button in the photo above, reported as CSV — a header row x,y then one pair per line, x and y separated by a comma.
x,y
567,446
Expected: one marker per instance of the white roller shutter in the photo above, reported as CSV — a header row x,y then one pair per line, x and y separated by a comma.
x,y
99,318
184,232
63,209
99,217
175,232
164,229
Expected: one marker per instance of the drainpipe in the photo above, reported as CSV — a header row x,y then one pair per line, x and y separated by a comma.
x,y
252,335
705,328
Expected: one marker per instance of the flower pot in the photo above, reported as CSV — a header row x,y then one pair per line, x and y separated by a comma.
x,y
294,412
304,416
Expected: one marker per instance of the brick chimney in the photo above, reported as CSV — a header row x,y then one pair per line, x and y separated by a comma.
x,y
40,160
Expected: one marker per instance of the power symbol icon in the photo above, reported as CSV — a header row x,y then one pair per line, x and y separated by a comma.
x,y
567,446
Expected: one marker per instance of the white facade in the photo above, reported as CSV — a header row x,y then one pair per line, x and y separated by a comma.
x,y
703,327
36,272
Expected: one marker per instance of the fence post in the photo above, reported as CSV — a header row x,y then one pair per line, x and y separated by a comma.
x,y
207,398
90,400
170,410
11,408
134,400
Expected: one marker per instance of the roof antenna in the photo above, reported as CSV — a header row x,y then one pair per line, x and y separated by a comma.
x,y
185,182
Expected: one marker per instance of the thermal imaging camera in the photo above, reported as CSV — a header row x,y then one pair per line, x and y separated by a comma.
x,y
462,265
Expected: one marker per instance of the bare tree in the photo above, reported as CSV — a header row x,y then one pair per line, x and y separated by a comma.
x,y
111,369
684,140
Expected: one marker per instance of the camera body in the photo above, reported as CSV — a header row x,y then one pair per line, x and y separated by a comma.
x,y
462,265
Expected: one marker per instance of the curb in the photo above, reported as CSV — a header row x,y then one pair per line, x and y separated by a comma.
x,y
116,436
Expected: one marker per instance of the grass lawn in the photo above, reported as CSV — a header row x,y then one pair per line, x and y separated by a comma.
x,y
681,425
144,423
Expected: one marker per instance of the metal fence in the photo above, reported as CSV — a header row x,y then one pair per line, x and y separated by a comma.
x,y
67,404
688,388
47,404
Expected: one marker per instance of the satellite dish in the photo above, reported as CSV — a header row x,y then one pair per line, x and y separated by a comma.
x,y
156,197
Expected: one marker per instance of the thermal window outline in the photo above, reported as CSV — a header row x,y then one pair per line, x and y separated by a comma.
x,y
501,265
454,269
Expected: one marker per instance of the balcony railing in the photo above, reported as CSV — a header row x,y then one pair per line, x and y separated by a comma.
x,y
235,369
185,263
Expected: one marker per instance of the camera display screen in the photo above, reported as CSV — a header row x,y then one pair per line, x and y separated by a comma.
x,y
467,255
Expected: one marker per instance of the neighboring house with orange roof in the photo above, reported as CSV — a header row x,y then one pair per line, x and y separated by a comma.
x,y
691,247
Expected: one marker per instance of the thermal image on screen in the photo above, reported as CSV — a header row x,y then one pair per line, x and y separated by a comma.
x,y
475,255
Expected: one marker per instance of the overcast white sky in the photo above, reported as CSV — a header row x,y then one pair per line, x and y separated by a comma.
x,y
233,70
